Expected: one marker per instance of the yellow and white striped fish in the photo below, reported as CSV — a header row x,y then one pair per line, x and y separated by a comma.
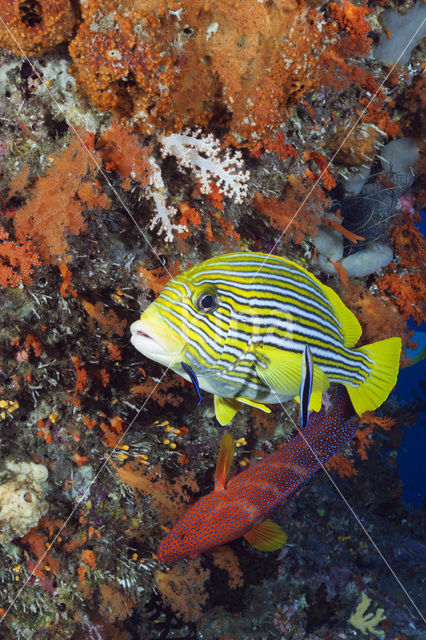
x,y
241,322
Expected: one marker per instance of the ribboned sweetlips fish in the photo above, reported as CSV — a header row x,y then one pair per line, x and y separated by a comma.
x,y
241,322
240,506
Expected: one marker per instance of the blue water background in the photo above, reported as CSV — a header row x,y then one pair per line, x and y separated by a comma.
x,y
411,457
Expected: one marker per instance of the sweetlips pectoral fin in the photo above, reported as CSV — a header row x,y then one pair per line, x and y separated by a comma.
x,y
225,409
224,462
281,370
256,405
267,536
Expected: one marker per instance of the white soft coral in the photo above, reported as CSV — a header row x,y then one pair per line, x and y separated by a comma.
x,y
164,215
203,155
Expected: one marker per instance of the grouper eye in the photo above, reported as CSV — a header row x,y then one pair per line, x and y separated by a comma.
x,y
207,302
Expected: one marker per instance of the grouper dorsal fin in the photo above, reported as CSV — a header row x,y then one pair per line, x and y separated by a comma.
x,y
224,462
266,536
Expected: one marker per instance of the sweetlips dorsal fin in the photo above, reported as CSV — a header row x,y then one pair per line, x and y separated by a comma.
x,y
281,371
351,328
224,462
266,536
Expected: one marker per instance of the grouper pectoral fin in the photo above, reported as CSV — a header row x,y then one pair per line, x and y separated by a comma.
x,y
225,409
281,370
266,536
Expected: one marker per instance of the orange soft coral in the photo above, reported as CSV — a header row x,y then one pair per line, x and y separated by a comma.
x,y
182,587
299,213
371,312
169,499
405,284
17,261
122,151
57,201
363,435
351,19
107,320
225,558
32,26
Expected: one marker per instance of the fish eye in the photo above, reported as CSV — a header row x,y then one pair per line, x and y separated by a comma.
x,y
207,302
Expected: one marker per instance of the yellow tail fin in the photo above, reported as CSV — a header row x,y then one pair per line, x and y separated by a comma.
x,y
383,374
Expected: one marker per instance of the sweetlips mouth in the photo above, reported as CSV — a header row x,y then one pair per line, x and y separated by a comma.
x,y
152,340
152,337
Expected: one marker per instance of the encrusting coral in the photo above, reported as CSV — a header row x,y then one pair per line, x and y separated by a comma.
x,y
31,26
22,501
239,66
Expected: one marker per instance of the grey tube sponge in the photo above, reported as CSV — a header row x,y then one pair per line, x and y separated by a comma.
x,y
402,29
368,261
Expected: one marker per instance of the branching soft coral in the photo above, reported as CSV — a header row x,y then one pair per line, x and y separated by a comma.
x,y
351,19
405,283
169,499
369,422
371,311
299,213
362,441
202,154
17,261
182,587
225,558
58,200
122,151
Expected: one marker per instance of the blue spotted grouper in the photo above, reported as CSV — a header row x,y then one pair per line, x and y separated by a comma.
x,y
240,505
241,322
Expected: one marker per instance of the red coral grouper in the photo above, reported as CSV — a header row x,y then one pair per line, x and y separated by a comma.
x,y
241,505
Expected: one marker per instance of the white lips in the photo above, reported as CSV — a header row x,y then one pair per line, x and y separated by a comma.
x,y
144,341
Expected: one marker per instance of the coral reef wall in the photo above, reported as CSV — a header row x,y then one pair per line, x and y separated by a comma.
x,y
138,138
